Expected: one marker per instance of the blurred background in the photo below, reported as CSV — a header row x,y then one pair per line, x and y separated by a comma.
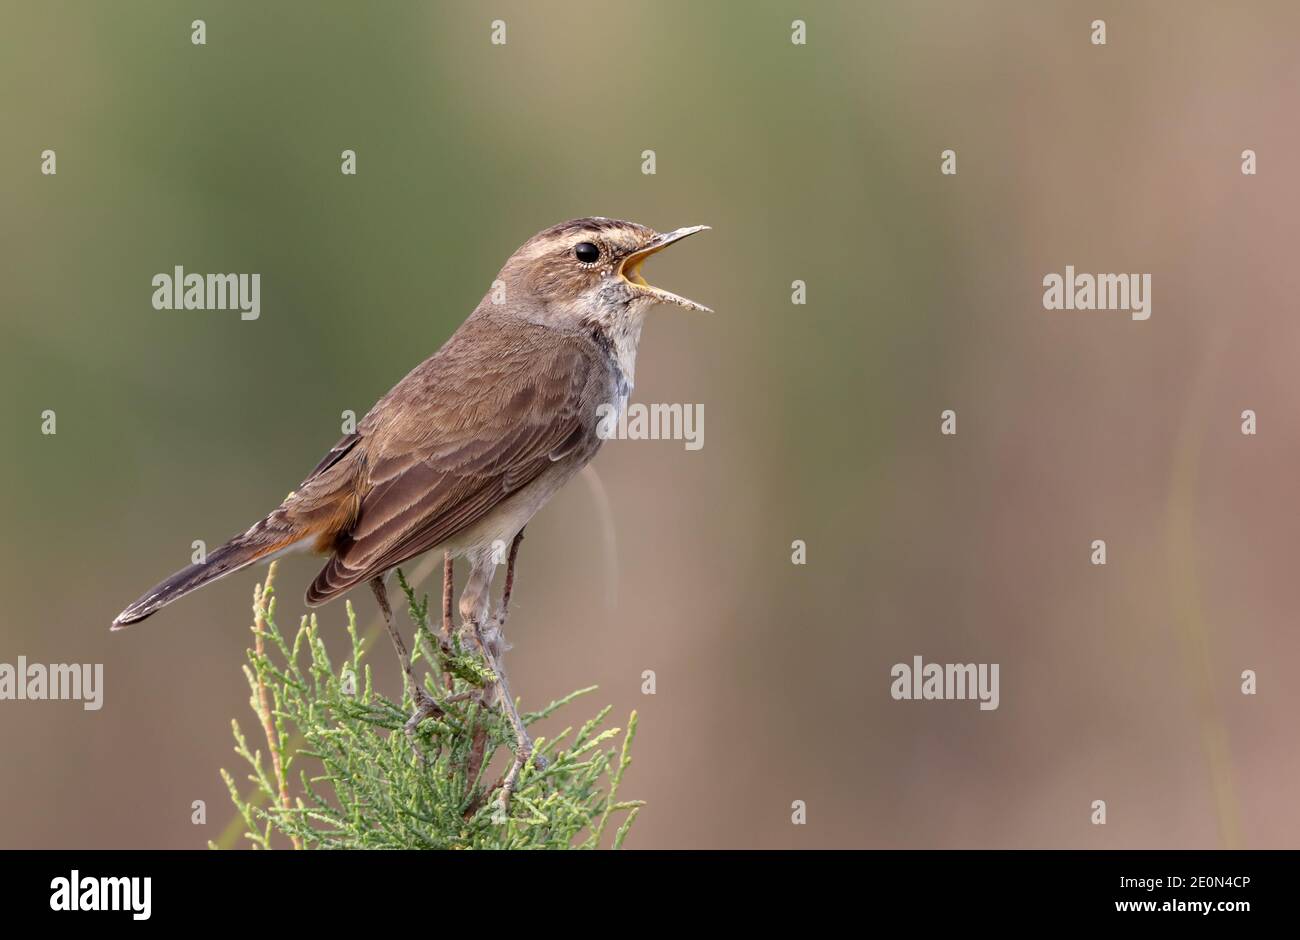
x,y
817,162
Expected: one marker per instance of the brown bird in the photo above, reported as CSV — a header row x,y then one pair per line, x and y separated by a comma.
x,y
466,448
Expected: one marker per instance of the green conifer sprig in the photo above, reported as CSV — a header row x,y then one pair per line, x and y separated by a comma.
x,y
342,773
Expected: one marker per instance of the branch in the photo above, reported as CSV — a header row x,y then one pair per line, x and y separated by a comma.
x,y
261,600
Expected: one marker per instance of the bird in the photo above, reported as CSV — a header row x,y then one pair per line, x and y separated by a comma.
x,y
464,451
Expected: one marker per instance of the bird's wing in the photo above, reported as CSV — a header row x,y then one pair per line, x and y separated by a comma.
x,y
455,438
336,453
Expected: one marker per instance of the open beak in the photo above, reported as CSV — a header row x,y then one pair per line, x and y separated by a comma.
x,y
630,269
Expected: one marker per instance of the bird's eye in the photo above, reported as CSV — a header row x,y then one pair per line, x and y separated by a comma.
x,y
586,252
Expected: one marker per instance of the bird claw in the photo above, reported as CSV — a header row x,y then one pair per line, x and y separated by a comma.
x,y
523,755
425,707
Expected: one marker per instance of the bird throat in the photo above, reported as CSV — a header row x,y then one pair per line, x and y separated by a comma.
x,y
619,335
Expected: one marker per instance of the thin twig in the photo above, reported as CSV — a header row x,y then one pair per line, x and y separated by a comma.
x,y
510,574
474,763
448,586
261,593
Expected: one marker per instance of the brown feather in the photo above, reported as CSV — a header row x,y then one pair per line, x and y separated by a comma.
x,y
471,425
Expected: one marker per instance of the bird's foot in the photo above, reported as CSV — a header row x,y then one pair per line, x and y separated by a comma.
x,y
523,756
425,707
491,641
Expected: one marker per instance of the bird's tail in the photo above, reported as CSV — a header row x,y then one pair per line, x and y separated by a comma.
x,y
272,535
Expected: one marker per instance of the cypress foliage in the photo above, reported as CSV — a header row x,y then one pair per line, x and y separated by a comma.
x,y
339,772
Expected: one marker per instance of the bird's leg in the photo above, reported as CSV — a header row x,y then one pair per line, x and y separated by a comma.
x,y
425,707
502,613
474,605
523,743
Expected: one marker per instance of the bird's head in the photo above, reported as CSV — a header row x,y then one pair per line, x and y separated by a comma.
x,y
591,269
